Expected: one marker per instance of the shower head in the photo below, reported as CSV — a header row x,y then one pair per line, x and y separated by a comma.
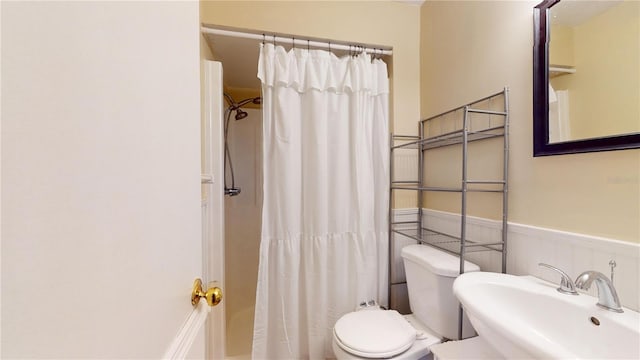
x,y
241,114
236,106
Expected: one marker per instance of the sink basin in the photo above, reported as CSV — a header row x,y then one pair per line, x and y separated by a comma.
x,y
523,317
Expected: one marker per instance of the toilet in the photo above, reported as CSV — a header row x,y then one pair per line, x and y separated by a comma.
x,y
373,333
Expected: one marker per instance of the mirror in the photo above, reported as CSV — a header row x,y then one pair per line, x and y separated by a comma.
x,y
586,76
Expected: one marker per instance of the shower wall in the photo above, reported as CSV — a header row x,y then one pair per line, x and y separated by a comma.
x,y
242,232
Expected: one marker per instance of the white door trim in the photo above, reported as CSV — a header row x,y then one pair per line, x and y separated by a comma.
x,y
188,332
213,219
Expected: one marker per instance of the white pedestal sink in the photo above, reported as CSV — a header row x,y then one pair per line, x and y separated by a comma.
x,y
523,317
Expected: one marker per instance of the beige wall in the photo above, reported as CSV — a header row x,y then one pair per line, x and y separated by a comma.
x,y
561,46
471,49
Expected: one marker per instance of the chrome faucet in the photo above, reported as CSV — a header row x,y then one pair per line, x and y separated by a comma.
x,y
607,295
566,285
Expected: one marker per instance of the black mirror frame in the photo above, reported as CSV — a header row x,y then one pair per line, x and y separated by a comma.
x,y
541,145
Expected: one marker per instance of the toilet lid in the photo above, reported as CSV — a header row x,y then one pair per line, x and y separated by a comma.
x,y
374,333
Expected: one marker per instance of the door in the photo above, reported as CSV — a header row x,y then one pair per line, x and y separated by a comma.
x,y
213,200
101,201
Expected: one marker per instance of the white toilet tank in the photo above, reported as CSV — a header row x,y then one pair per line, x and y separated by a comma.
x,y
430,275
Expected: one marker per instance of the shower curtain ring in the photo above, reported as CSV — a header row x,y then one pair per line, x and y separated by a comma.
x,y
307,44
274,40
293,42
263,39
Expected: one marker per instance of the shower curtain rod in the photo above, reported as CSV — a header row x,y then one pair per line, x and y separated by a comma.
x,y
297,41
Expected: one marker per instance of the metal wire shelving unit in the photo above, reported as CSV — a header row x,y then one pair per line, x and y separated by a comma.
x,y
480,120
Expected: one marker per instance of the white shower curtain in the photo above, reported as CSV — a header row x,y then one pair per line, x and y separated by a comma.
x,y
326,192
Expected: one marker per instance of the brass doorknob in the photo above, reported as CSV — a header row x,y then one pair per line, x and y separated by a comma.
x,y
213,295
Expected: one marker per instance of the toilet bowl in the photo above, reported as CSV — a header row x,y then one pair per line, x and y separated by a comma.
x,y
373,333
376,334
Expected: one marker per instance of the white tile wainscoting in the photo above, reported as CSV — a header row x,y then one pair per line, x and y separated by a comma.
x,y
529,245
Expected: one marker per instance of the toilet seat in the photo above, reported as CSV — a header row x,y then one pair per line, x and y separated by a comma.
x,y
374,333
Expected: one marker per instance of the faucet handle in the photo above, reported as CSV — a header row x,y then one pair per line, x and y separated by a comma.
x,y
566,284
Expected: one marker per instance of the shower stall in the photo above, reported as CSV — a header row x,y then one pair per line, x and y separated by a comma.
x,y
243,206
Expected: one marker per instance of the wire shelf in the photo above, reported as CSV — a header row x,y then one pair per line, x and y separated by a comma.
x,y
446,242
